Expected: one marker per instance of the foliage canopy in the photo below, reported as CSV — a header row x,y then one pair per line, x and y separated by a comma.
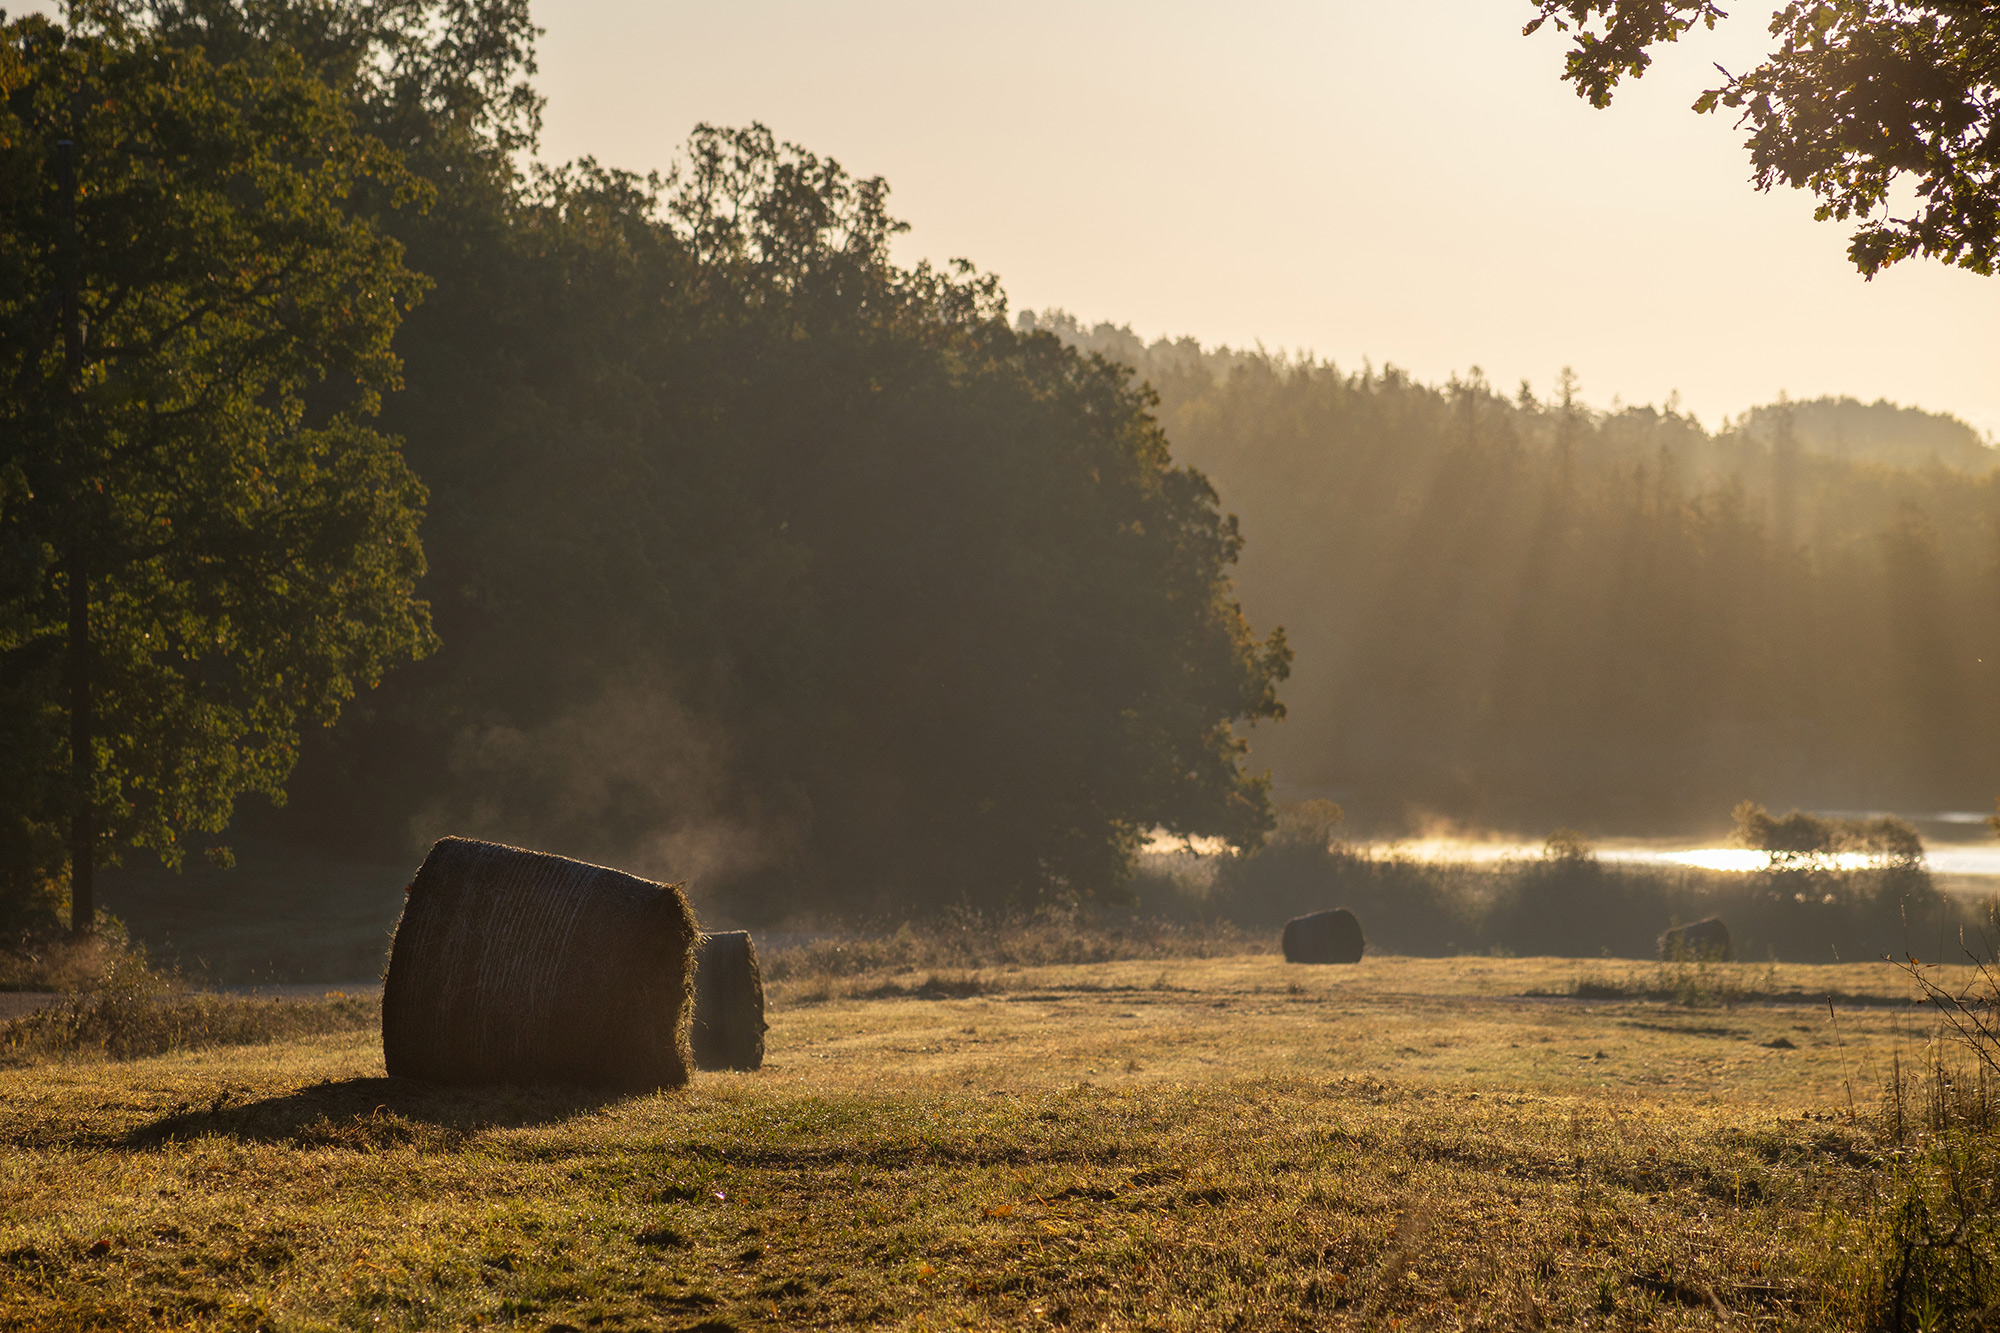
x,y
764,559
1858,100
755,556
195,447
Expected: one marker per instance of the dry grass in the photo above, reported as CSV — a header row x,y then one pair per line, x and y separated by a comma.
x,y
1161,1143
120,1008
952,948
128,1027
63,962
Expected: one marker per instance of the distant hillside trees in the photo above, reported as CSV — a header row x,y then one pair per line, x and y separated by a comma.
x,y
1878,432
203,546
1524,611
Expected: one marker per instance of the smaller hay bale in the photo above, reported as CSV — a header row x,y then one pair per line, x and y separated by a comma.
x,y
1705,941
1324,937
521,967
729,1026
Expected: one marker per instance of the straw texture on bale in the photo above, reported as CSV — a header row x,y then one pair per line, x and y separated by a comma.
x,y
1324,937
1706,940
521,967
729,1026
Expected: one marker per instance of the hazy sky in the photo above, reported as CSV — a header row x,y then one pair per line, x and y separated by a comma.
x,y
1406,181
1402,180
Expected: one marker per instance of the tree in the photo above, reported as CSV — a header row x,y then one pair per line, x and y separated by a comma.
x,y
1860,99
758,558
202,545
945,616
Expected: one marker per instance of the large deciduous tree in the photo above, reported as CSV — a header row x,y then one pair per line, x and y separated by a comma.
x,y
203,547
758,558
1866,103
765,560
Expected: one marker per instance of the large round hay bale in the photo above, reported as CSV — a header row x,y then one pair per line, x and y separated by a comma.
x,y
1324,937
1705,941
520,967
728,1029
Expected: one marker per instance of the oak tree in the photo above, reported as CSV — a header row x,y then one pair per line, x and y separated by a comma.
x,y
1887,110
203,545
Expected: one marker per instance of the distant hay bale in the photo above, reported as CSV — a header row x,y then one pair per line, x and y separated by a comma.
x,y
1324,937
728,1029
520,967
1706,941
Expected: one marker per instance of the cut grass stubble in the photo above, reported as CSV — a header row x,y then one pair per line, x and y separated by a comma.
x,y
1140,1145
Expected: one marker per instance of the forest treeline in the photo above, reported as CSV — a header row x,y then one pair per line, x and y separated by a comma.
x,y
753,557
685,529
1801,907
1518,611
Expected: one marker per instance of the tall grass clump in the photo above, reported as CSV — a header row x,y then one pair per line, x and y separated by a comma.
x,y
1937,1237
1052,937
124,1008
49,958
956,944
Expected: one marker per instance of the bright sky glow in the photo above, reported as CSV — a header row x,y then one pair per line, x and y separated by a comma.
x,y
1405,182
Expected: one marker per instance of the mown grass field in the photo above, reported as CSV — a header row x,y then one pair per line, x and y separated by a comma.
x,y
1177,1144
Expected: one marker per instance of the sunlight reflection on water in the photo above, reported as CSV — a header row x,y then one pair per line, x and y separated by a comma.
x,y
1943,859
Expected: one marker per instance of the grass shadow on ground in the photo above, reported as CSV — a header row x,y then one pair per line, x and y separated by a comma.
x,y
369,1114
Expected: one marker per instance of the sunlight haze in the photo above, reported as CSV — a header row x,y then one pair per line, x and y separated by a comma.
x,y
1408,183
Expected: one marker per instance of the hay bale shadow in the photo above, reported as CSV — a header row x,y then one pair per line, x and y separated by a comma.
x,y
371,1114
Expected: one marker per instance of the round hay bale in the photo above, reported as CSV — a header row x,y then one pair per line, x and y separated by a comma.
x,y
1324,937
728,1029
520,967
1704,941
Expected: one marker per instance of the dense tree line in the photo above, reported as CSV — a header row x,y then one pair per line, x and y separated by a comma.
x,y
1523,611
756,557
752,555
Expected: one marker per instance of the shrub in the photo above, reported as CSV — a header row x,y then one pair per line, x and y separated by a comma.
x,y
1938,1237
49,958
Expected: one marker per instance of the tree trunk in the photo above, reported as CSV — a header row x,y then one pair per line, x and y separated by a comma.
x,y
82,765
82,834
